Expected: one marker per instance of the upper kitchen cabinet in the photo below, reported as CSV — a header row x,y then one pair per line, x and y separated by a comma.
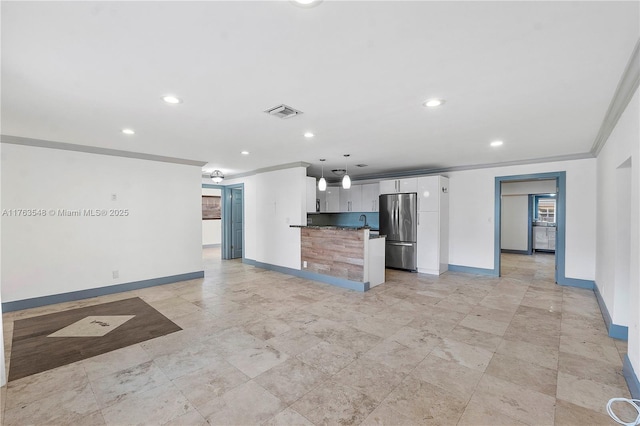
x,y
395,186
370,197
351,199
430,191
311,194
332,199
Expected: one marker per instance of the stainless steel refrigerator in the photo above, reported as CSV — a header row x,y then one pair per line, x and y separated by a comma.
x,y
398,221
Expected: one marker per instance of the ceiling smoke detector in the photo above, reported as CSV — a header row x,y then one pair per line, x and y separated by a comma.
x,y
283,111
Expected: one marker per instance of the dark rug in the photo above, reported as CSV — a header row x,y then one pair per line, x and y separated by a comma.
x,y
53,340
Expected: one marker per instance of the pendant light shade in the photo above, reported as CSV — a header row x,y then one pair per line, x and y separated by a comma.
x,y
217,176
322,183
346,180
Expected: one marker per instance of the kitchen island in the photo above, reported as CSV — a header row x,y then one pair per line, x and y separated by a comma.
x,y
349,257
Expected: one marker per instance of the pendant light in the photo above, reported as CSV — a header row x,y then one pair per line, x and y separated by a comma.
x,y
346,180
217,176
322,183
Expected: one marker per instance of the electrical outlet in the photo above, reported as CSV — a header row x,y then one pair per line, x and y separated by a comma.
x,y
304,264
116,274
114,197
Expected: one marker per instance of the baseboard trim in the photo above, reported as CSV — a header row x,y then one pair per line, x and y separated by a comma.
x,y
36,302
631,377
472,270
514,251
327,279
574,282
616,331
211,245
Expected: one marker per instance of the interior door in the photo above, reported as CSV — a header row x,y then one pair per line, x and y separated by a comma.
x,y
236,222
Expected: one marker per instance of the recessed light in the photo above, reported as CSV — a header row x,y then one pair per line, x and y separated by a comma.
x,y
128,131
244,152
306,3
432,103
170,99
496,143
308,135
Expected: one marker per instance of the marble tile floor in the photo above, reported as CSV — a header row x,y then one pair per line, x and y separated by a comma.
x,y
259,347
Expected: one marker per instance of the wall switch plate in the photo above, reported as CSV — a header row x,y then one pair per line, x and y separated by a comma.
x,y
114,197
116,274
304,264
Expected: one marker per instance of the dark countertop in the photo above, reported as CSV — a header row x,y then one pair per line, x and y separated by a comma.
x,y
342,228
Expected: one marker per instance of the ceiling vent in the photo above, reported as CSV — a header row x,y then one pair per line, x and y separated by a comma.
x,y
283,111
362,165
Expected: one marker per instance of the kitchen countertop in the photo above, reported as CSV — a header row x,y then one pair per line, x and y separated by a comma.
x,y
342,228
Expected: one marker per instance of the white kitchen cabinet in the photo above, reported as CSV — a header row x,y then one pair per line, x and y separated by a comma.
x,y
433,228
544,238
429,190
351,199
311,194
398,186
370,196
322,197
332,199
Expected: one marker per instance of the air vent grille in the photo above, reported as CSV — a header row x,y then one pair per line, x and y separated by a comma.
x,y
283,111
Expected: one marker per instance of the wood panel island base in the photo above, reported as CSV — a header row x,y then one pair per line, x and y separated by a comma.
x,y
343,256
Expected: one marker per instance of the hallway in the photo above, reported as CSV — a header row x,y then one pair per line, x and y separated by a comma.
x,y
260,347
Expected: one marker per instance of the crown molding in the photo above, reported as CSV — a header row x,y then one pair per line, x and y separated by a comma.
x,y
41,143
263,170
624,92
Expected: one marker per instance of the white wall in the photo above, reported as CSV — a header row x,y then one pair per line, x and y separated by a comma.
x,y
618,231
3,373
273,201
514,234
471,220
49,255
529,187
212,228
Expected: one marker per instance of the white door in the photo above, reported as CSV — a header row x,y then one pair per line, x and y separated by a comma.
x,y
428,243
429,193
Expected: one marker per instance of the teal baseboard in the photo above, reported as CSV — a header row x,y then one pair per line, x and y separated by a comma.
x,y
574,282
616,331
95,292
515,251
631,377
340,282
472,270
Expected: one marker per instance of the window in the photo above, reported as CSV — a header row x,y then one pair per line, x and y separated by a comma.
x,y
545,208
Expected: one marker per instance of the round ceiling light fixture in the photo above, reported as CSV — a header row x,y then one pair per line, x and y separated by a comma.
x,y
308,135
244,152
128,131
217,176
171,99
496,143
433,103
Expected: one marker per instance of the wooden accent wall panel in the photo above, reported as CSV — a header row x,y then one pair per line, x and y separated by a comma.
x,y
335,252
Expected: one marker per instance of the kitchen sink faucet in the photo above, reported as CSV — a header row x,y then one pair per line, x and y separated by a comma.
x,y
363,217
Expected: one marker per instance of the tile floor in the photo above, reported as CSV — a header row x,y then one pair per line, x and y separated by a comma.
x,y
259,347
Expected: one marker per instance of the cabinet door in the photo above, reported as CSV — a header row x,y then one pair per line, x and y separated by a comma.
x,y
540,238
429,193
389,186
551,236
311,194
333,199
428,242
351,199
322,196
345,199
409,185
370,193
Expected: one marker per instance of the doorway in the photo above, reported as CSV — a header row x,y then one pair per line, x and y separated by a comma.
x,y
233,222
558,227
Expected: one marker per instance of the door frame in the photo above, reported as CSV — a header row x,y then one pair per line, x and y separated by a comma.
x,y
561,184
227,252
225,243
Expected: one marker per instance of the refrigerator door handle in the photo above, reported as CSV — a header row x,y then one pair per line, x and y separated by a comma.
x,y
400,244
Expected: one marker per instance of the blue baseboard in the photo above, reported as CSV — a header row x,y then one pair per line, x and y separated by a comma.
x,y
340,282
616,331
574,282
95,292
631,377
472,270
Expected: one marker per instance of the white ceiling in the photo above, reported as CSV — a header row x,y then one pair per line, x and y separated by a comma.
x,y
537,75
